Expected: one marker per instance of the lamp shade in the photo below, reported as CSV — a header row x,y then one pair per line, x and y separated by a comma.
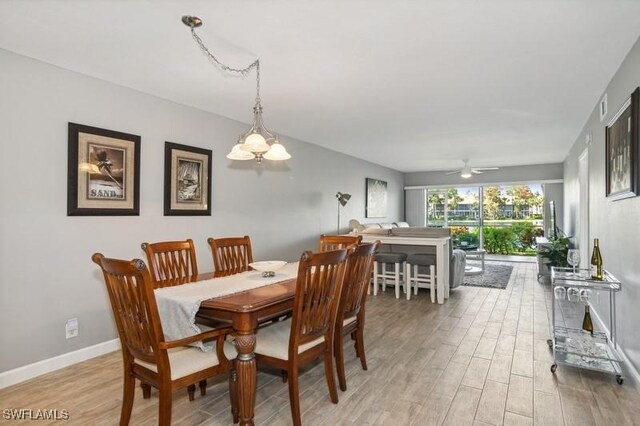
x,y
238,154
343,198
255,143
277,152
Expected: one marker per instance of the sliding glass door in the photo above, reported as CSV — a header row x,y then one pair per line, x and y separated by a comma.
x,y
458,209
501,219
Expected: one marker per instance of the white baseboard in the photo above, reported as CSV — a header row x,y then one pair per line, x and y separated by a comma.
x,y
36,369
627,367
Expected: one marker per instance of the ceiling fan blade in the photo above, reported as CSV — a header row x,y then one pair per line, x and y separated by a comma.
x,y
476,171
452,172
486,168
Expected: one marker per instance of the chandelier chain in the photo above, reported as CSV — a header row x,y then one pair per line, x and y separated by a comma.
x,y
242,71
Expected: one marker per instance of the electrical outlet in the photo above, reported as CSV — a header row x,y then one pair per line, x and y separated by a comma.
x,y
71,328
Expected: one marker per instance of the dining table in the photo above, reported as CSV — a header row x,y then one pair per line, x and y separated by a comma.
x,y
244,310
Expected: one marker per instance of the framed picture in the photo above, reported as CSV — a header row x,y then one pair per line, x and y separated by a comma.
x,y
187,180
376,198
622,145
103,175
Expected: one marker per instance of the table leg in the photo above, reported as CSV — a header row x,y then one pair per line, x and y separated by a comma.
x,y
246,370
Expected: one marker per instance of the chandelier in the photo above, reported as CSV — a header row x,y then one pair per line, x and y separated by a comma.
x,y
256,143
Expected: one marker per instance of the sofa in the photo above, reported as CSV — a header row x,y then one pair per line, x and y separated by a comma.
x,y
402,229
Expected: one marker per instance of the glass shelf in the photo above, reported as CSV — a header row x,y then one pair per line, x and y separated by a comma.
x,y
581,361
582,278
579,342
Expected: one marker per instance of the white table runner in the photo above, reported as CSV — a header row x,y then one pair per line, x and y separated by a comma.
x,y
178,305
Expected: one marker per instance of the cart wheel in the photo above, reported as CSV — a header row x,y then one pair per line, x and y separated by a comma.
x,y
619,379
550,343
554,367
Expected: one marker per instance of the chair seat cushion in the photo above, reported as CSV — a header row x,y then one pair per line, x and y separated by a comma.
x,y
348,321
422,259
186,360
390,257
273,340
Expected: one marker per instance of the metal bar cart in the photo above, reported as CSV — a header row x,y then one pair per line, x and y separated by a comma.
x,y
570,343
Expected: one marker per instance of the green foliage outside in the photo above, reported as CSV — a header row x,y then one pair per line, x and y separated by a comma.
x,y
500,240
556,251
517,239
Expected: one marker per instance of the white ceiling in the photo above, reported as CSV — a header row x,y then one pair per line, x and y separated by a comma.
x,y
412,85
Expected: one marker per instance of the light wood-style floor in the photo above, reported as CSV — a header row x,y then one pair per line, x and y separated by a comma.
x,y
481,358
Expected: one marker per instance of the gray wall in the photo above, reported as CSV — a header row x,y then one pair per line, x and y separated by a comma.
x,y
532,173
616,223
46,275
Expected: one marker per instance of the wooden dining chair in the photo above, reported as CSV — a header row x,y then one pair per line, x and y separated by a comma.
x,y
170,261
338,242
308,334
231,255
350,318
165,365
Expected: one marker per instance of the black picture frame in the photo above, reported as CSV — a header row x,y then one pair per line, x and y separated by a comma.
x,y
376,205
187,180
622,143
103,172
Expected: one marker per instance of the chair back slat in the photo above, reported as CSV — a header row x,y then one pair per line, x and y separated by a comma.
x,y
319,282
231,255
171,260
134,306
356,281
338,242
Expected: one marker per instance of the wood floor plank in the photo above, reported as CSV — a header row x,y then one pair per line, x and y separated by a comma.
x,y
524,341
492,403
500,369
476,373
543,379
463,407
577,406
433,411
485,347
522,364
520,395
450,379
505,344
547,410
512,419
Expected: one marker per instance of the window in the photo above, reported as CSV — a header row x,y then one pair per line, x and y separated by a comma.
x,y
502,219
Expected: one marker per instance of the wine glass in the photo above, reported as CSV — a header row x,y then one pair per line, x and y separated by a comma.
x,y
560,292
573,258
573,294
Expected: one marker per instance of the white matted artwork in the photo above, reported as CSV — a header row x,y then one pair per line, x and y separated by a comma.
x,y
622,145
376,198
187,180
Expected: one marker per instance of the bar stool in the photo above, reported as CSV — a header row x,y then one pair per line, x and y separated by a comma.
x,y
415,262
398,260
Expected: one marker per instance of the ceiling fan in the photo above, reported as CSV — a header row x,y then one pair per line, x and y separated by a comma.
x,y
467,171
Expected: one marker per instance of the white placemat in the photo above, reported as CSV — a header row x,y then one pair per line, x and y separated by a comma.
x,y
179,305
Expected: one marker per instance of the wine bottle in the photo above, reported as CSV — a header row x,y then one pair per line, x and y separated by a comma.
x,y
596,261
587,325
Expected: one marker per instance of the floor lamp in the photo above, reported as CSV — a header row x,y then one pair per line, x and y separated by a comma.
x,y
342,201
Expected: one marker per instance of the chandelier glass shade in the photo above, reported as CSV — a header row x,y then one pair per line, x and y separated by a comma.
x,y
257,143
